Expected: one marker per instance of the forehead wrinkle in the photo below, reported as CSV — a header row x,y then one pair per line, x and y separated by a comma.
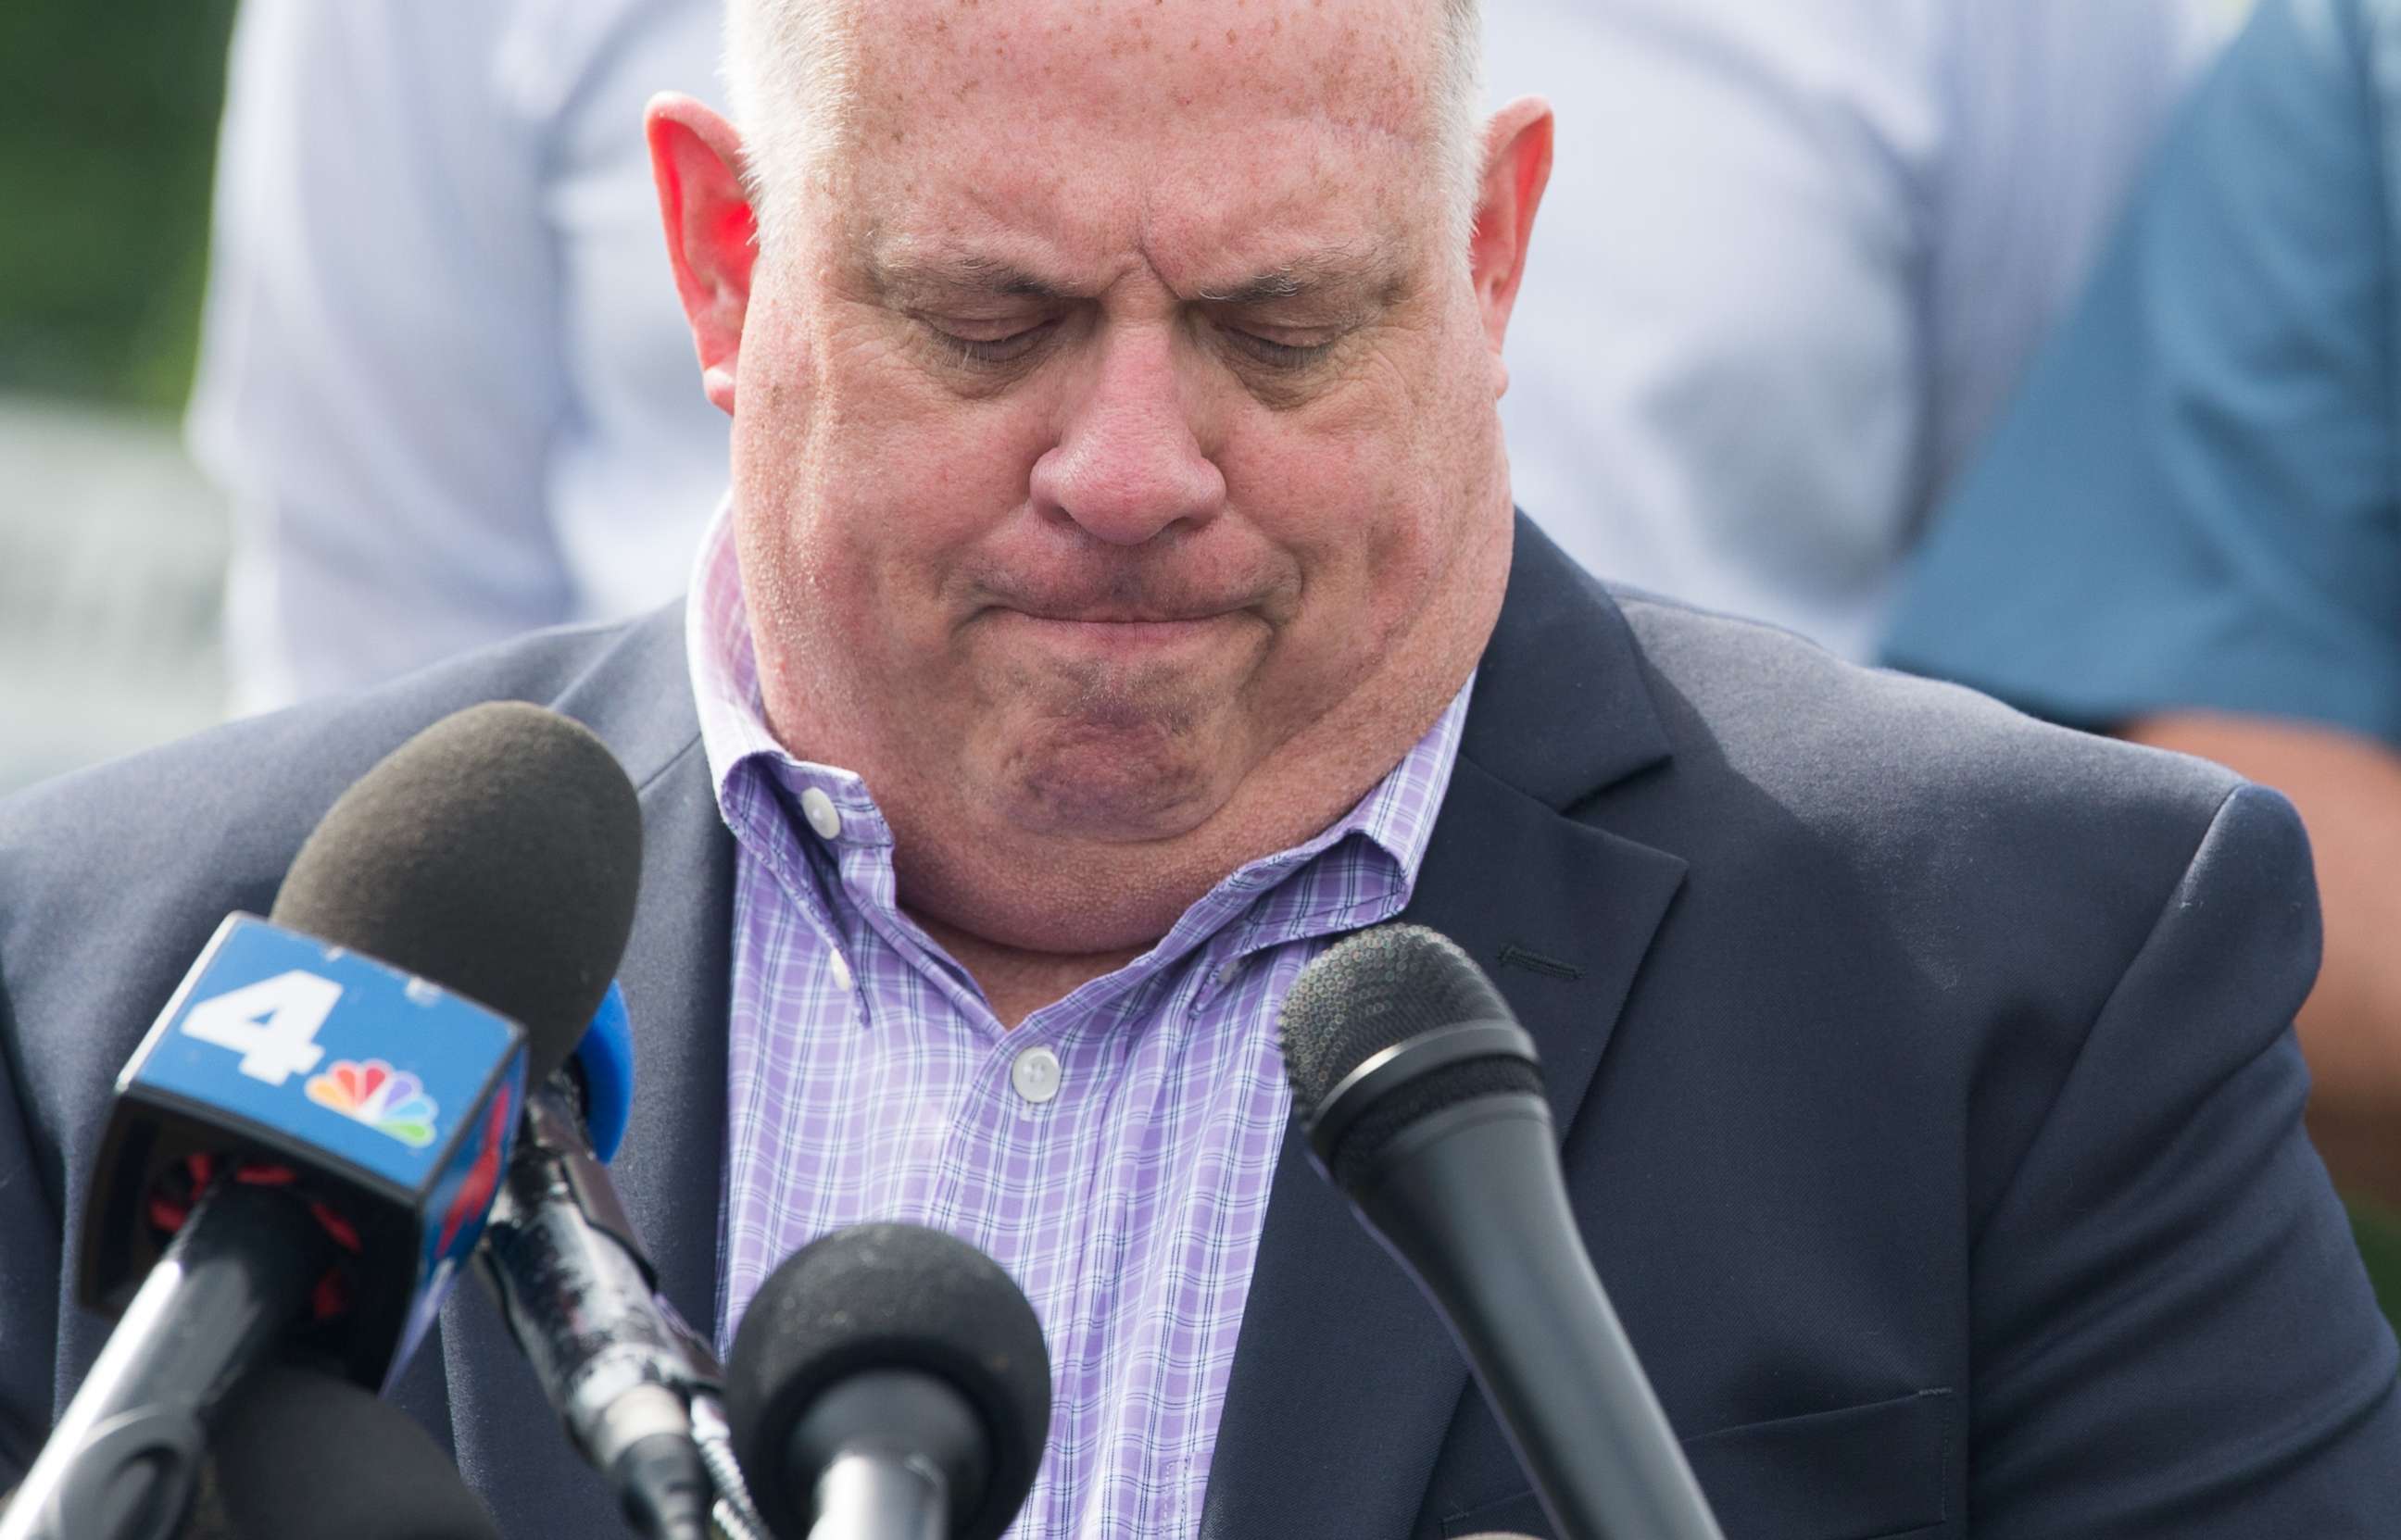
x,y
1361,65
990,229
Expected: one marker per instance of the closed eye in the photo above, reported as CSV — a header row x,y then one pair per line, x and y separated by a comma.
x,y
988,352
1280,355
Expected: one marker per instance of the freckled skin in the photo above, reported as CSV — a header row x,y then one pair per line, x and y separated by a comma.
x,y
1102,619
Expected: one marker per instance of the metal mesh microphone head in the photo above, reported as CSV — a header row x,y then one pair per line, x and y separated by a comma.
x,y
1373,991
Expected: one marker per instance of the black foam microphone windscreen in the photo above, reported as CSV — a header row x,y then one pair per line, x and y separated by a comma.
x,y
1369,993
879,1300
297,1454
501,821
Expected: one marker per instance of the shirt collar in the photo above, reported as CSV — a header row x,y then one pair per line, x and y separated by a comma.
x,y
1396,816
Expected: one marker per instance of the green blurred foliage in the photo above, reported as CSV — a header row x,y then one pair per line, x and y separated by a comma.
x,y
108,121
2379,1233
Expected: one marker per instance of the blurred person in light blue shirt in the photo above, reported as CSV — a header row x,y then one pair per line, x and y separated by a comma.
x,y
2188,529
1795,255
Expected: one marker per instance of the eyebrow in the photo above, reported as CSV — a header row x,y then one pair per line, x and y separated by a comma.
x,y
1379,275
962,270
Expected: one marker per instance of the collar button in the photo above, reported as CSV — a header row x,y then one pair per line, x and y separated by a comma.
x,y
819,809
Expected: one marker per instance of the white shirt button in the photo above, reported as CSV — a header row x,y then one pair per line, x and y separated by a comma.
x,y
1036,1074
818,807
840,971
1228,972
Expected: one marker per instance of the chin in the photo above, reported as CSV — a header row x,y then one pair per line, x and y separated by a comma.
x,y
1119,787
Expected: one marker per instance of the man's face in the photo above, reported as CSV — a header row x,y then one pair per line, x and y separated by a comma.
x,y
1116,456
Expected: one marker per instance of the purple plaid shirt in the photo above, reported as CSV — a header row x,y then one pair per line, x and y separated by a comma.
x,y
1113,1152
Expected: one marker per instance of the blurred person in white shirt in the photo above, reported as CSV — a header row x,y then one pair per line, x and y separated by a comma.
x,y
447,392
1795,259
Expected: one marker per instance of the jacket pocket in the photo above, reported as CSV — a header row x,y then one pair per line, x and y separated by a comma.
x,y
1873,1472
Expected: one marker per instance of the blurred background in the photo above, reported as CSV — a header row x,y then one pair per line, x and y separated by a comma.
x,y
112,548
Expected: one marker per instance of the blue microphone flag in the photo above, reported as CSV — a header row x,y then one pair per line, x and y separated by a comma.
x,y
392,1101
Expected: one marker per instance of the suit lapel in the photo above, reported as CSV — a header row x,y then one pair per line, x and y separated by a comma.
x,y
675,976
676,964
1344,1381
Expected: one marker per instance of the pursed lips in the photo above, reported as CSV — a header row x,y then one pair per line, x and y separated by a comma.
x,y
1125,617
1116,630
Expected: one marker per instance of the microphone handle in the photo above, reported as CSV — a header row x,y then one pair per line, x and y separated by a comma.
x,y
121,1463
873,1494
576,1292
1471,1201
889,1454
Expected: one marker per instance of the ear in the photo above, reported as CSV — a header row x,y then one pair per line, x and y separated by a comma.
x,y
1517,169
712,240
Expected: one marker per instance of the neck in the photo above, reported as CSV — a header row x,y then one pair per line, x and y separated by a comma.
x,y
1018,981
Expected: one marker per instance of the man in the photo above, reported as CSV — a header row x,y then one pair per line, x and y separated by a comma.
x,y
2189,531
1119,596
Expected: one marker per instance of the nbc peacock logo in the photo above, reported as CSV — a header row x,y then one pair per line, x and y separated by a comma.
x,y
388,1100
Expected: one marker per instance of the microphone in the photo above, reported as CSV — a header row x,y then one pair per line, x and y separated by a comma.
x,y
298,1454
458,911
618,1365
1423,1104
890,1382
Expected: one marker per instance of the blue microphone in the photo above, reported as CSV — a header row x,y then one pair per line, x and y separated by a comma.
x,y
306,1145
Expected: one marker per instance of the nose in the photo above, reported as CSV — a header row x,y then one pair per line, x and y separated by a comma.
x,y
1128,464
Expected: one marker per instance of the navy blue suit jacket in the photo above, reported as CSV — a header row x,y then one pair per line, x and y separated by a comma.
x,y
1928,1096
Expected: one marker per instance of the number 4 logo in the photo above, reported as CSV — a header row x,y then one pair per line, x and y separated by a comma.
x,y
272,1024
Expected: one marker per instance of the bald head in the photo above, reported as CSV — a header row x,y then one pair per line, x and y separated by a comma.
x,y
809,79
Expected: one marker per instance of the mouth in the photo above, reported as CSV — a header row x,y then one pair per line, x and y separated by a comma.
x,y
1116,632
1112,611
